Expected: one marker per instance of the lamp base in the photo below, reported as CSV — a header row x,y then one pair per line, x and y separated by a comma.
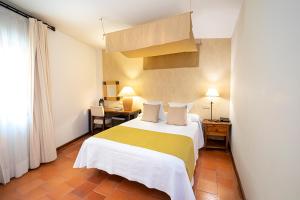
x,y
127,103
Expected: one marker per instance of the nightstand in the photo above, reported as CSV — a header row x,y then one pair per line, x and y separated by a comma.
x,y
216,134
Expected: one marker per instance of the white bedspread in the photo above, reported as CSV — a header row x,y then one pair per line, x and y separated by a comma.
x,y
151,168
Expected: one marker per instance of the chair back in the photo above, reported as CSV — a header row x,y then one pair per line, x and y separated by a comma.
x,y
97,111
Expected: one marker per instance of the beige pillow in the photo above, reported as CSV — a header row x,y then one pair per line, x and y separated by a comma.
x,y
177,116
151,113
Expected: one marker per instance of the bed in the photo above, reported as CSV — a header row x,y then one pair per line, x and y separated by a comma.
x,y
154,169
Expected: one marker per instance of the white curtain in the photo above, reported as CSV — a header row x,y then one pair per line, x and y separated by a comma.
x,y
26,125
16,94
42,144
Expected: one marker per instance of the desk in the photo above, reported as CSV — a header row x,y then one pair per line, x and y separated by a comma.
x,y
110,112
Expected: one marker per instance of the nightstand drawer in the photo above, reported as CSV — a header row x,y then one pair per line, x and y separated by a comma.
x,y
221,130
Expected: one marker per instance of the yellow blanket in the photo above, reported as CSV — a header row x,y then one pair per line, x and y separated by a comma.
x,y
177,145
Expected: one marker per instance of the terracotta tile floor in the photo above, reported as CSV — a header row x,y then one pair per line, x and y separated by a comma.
x,y
214,179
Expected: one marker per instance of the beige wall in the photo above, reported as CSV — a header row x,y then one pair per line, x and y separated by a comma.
x,y
265,99
75,84
181,84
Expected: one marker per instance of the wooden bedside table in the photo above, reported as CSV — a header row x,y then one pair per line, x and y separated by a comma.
x,y
216,134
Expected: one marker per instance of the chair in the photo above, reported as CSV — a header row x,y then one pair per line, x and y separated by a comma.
x,y
98,117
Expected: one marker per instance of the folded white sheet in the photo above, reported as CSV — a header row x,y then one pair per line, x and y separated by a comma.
x,y
151,168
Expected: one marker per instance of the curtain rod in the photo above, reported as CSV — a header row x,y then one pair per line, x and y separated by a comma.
x,y
23,14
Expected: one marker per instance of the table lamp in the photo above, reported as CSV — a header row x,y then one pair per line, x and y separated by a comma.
x,y
211,93
127,93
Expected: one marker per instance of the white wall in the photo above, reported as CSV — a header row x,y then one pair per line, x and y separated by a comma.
x,y
75,69
265,99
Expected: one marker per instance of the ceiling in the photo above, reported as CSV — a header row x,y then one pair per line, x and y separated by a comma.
x,y
80,18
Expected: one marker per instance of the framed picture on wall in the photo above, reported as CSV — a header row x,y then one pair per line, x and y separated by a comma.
x,y
111,90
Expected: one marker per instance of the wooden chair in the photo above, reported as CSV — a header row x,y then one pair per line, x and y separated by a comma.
x,y
98,118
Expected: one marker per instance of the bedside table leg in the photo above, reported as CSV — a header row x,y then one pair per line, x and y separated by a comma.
x,y
227,140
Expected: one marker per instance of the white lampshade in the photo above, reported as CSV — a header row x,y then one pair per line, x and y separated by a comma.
x,y
212,92
127,92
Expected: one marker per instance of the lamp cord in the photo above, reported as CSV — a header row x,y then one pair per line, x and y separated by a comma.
x,y
211,107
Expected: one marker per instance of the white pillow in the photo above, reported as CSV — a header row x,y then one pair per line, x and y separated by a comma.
x,y
150,113
162,115
191,117
175,104
177,116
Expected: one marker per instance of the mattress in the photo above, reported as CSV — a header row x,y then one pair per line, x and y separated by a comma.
x,y
151,168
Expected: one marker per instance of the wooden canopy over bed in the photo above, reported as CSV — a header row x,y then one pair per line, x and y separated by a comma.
x,y
165,36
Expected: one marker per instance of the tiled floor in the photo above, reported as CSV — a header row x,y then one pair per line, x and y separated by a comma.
x,y
214,179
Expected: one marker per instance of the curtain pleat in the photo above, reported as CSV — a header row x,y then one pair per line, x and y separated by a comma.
x,y
41,144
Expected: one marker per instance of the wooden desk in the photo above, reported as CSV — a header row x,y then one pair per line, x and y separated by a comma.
x,y
128,114
110,112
